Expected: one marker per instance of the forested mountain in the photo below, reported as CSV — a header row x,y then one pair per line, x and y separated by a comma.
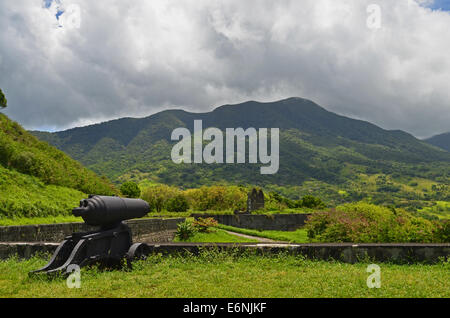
x,y
315,144
441,141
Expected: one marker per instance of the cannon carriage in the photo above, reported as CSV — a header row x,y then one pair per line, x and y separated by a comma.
x,y
109,244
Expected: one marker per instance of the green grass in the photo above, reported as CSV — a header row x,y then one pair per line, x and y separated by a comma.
x,y
21,151
40,220
217,236
214,274
298,236
22,196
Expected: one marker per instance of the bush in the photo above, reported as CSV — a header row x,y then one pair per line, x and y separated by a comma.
x,y
178,203
367,223
204,225
217,198
275,201
311,202
158,196
185,231
130,190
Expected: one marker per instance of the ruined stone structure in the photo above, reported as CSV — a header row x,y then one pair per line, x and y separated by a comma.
x,y
255,200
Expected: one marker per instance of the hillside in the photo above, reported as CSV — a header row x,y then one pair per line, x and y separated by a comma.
x,y
315,146
441,141
37,179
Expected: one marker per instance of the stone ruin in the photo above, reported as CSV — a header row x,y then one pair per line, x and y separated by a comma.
x,y
255,201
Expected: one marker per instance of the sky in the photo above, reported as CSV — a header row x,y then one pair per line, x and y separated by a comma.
x,y
67,63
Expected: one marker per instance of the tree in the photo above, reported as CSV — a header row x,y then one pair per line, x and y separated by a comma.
x,y
130,190
3,101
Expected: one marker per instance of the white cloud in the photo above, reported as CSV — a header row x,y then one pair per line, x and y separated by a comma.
x,y
136,58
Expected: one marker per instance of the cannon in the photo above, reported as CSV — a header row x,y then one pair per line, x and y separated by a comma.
x,y
108,245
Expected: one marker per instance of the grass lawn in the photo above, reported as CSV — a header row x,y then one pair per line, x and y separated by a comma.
x,y
298,236
214,274
217,236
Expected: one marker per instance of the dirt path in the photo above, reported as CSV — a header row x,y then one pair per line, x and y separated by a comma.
x,y
259,239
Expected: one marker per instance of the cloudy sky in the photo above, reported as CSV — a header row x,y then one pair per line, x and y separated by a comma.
x,y
69,63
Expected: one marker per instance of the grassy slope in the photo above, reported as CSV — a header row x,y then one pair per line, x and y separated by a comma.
x,y
22,195
37,180
21,151
225,276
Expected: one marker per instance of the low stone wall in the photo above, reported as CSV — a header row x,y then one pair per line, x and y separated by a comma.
x,y
344,252
277,222
26,250
143,230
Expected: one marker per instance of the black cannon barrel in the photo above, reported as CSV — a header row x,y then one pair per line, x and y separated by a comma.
x,y
105,210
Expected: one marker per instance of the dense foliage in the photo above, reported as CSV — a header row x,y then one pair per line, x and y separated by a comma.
x,y
172,199
130,189
178,203
367,223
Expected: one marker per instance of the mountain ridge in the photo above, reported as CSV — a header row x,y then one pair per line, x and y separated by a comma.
x,y
314,144
442,141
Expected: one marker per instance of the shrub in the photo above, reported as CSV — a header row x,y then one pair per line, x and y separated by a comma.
x,y
367,223
185,231
217,198
158,196
275,201
204,225
130,189
309,201
178,203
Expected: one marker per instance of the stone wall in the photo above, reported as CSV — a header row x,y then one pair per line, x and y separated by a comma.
x,y
143,230
344,252
277,222
399,253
